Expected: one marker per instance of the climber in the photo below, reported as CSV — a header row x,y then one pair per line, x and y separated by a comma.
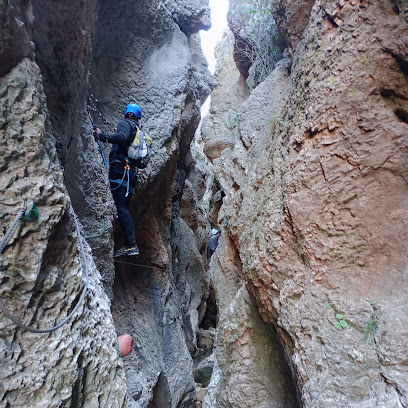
x,y
213,241
122,174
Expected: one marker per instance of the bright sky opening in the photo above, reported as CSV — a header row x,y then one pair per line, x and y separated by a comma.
x,y
210,38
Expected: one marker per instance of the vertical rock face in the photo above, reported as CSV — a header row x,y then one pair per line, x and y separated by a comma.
x,y
292,18
15,43
144,52
43,270
220,128
251,370
149,53
316,205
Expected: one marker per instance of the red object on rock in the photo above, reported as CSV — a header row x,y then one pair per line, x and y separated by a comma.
x,y
125,344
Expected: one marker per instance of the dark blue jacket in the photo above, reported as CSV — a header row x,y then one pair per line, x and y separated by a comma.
x,y
213,242
121,140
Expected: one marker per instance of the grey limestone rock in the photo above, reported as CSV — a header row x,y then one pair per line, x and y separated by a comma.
x,y
154,59
139,52
43,272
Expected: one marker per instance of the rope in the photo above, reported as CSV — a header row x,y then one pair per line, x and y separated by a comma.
x,y
10,232
92,101
77,189
101,233
99,142
144,266
51,329
101,152
128,181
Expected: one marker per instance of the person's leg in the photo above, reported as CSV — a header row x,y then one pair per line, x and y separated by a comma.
x,y
124,215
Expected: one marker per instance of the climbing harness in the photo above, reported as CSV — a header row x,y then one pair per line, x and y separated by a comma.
x,y
101,233
31,214
120,183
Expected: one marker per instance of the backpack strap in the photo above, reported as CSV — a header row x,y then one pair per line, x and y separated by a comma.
x,y
134,125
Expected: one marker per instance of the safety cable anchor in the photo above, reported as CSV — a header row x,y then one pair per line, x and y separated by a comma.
x,y
31,213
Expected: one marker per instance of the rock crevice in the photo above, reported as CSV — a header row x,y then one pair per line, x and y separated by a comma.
x,y
61,60
313,172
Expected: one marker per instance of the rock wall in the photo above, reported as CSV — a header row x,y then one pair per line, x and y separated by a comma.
x,y
314,173
43,269
154,58
250,369
310,273
54,56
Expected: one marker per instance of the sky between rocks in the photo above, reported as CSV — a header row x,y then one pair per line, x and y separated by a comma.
x,y
210,38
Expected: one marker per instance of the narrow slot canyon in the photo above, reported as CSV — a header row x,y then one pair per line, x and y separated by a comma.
x,y
265,261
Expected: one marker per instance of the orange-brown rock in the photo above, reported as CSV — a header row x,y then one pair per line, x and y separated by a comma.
x,y
292,17
319,215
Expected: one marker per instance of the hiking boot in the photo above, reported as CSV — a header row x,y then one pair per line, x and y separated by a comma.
x,y
127,251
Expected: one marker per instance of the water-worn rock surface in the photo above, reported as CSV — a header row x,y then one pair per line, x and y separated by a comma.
x,y
316,204
250,369
43,271
305,299
160,65
52,58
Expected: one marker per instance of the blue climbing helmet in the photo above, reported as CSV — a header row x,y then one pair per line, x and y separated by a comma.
x,y
135,109
214,231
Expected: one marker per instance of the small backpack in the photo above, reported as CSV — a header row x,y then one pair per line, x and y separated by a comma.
x,y
140,149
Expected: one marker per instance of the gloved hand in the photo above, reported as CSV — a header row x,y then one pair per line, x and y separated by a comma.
x,y
96,132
